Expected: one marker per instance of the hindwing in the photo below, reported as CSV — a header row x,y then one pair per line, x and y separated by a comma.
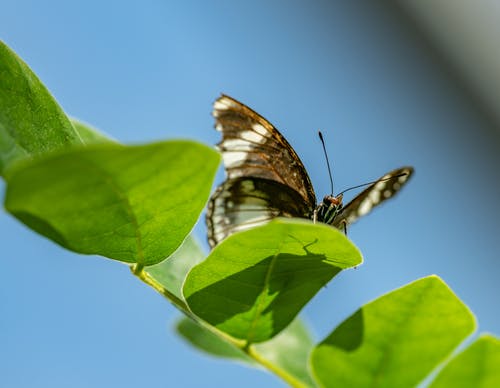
x,y
384,188
242,203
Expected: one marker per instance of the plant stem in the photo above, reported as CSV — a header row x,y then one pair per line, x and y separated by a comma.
x,y
138,270
281,373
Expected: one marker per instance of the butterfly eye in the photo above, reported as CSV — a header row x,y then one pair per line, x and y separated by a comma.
x,y
332,201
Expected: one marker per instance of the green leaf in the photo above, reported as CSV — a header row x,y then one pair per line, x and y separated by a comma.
x,y
88,134
476,366
31,121
208,342
171,273
396,340
290,350
255,282
134,204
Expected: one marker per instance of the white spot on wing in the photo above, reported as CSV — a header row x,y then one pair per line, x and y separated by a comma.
x,y
251,223
233,159
218,219
253,137
261,130
374,196
365,207
222,103
379,186
218,202
237,145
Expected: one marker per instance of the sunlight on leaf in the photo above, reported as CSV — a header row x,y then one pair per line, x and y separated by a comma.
x,y
134,204
31,121
396,340
254,283
476,366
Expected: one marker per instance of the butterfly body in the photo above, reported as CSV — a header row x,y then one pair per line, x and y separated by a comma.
x,y
266,179
328,209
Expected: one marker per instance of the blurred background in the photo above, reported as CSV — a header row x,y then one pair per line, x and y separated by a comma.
x,y
389,84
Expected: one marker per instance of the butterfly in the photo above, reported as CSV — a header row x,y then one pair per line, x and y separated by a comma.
x,y
266,179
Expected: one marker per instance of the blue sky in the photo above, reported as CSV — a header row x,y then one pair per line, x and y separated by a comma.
x,y
355,70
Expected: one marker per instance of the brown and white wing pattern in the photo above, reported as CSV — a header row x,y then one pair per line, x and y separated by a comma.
x,y
265,177
252,147
242,203
386,187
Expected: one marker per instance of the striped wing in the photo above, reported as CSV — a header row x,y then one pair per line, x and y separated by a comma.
x,y
242,203
265,177
252,147
373,195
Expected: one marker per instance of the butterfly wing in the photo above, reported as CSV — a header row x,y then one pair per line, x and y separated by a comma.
x,y
265,177
252,147
386,187
242,203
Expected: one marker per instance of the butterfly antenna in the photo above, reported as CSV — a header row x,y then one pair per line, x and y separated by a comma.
x,y
327,161
370,183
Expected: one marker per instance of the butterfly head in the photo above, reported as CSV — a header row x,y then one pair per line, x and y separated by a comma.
x,y
329,208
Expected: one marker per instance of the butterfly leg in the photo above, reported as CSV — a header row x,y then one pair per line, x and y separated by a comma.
x,y
344,226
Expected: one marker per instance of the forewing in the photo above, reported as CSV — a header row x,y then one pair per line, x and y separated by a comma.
x,y
242,203
374,195
252,147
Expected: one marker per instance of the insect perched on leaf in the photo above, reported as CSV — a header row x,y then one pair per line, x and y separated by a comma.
x,y
266,179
